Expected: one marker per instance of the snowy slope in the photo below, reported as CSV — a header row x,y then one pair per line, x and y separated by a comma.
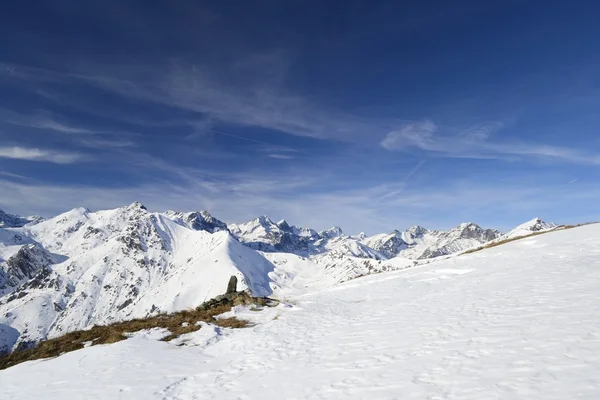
x,y
518,321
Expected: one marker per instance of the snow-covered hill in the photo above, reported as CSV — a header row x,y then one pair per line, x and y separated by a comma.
x,y
83,268
518,321
529,227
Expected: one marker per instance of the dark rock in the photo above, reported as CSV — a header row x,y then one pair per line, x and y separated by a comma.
x,y
124,304
236,299
232,285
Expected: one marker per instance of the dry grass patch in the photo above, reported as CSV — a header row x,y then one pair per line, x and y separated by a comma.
x,y
178,323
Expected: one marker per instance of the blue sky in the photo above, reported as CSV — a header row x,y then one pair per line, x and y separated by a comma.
x,y
368,115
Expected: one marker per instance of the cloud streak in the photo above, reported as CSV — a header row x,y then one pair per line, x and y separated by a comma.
x,y
40,155
221,97
476,142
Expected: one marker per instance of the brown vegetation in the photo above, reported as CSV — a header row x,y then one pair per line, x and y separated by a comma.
x,y
178,323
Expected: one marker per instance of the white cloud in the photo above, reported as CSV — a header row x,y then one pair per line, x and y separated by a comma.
x,y
281,156
49,124
34,154
417,134
475,142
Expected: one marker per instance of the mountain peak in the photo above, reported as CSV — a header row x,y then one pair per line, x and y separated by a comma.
x,y
534,225
283,225
468,225
333,232
416,230
205,214
136,205
16,221
264,220
202,221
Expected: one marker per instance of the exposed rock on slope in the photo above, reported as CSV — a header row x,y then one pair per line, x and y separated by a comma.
x,y
29,261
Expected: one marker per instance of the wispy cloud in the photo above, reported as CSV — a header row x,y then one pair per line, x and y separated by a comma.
x,y
281,156
34,154
46,123
402,184
475,142
77,134
221,97
417,134
11,175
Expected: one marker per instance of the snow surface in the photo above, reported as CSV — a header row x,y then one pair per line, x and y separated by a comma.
x,y
518,321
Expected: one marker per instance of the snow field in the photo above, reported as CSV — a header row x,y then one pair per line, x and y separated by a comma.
x,y
519,321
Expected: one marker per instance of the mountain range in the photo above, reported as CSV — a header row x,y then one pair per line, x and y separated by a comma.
x,y
83,268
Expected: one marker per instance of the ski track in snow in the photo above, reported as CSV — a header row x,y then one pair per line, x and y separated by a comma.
x,y
520,321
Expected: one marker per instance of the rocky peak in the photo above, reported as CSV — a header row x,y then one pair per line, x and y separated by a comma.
x,y
136,205
283,225
390,245
203,221
16,221
416,231
330,233
537,224
470,230
25,264
263,221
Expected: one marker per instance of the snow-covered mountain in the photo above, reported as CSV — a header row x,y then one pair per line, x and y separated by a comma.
x,y
16,221
415,243
82,268
420,243
529,227
263,234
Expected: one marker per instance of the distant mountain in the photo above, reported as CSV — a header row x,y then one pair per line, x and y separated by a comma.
x,y
263,234
529,227
198,221
420,243
83,268
416,243
16,221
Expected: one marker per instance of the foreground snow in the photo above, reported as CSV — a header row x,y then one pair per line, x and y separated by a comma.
x,y
519,321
